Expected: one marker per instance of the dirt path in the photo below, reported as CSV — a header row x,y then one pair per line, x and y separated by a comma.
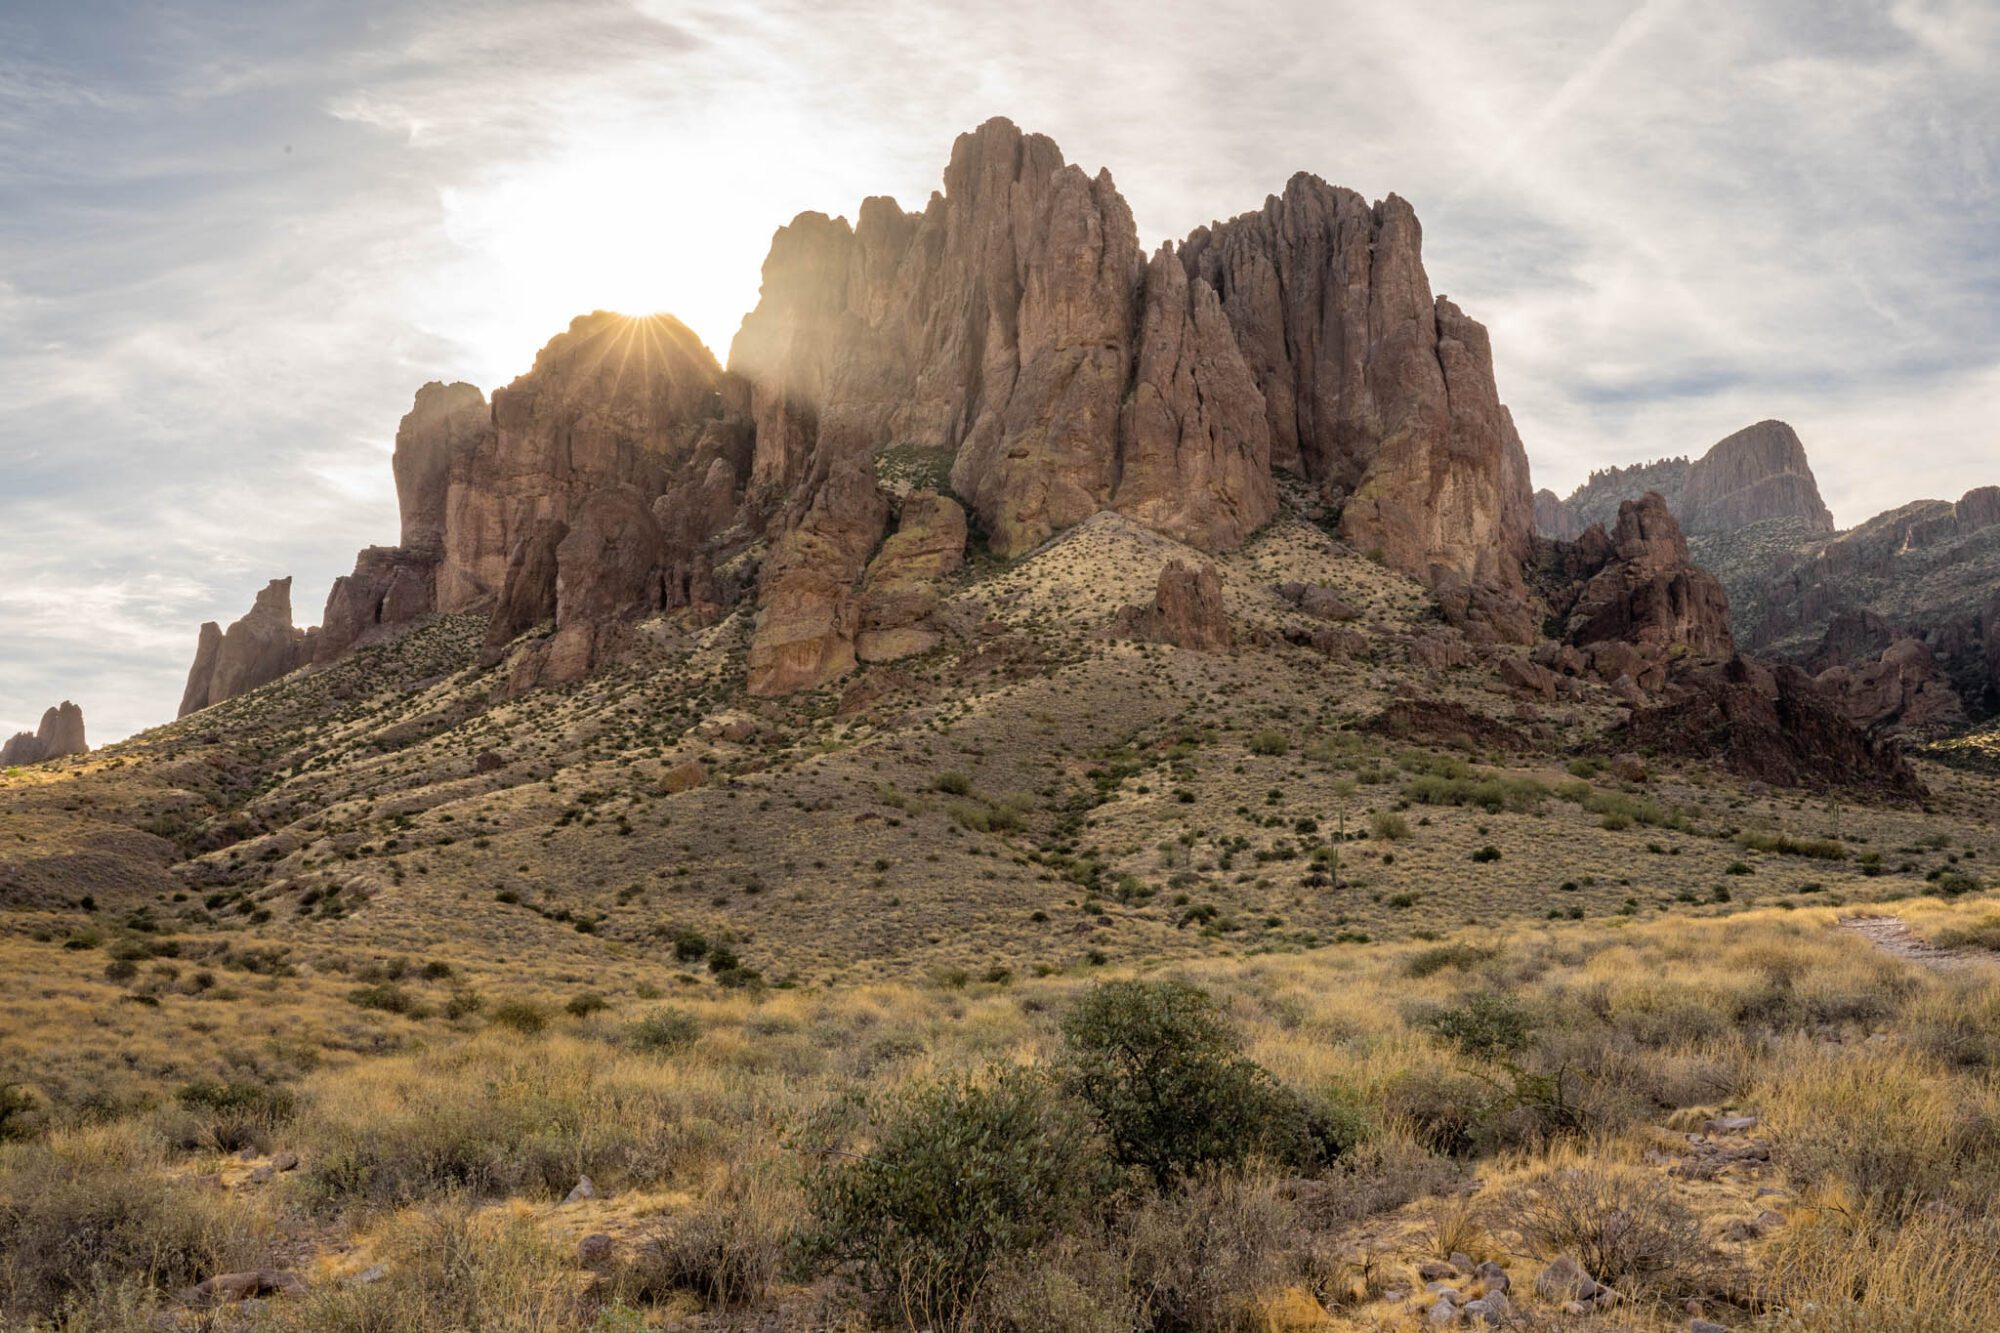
x,y
1892,936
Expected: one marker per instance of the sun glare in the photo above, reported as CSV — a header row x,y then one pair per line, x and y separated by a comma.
x,y
609,230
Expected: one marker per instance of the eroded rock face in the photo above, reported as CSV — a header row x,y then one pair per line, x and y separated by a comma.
x,y
1770,723
1195,447
253,651
1648,594
1187,611
1901,688
899,592
60,734
809,602
528,593
391,586
1373,389
613,402
446,422
1759,472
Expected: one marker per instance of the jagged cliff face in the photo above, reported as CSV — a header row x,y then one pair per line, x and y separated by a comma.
x,y
1756,475
60,734
1011,339
253,651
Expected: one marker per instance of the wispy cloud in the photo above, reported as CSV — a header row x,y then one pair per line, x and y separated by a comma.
x,y
235,237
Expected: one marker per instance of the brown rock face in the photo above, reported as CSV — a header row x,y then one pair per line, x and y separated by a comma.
x,y
60,734
1372,388
1901,688
1647,593
1759,472
1769,723
528,593
613,402
1187,611
446,422
805,633
253,651
390,586
899,591
1195,456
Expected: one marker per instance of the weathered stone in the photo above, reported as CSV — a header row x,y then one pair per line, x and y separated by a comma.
x,y
59,735
1649,594
1187,611
684,776
596,1250
528,591
582,1190
226,1288
253,651
899,591
1901,688
390,587
1758,473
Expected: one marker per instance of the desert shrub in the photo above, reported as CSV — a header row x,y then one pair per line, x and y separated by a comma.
x,y
450,1268
387,997
1163,1074
962,1175
1836,1269
1622,1224
1784,844
524,1016
1429,962
1484,1026
1488,791
1958,1025
1075,1285
954,784
727,1249
229,1116
1981,934
1202,1255
87,1213
1270,742
1389,826
585,1004
664,1030
18,1119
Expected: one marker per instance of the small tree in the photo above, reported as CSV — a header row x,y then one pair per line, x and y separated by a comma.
x,y
1164,1074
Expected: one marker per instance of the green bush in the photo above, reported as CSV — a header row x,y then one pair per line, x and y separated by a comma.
x,y
1484,1027
230,1116
524,1016
963,1175
1270,743
389,998
17,1113
587,1003
1164,1076
665,1030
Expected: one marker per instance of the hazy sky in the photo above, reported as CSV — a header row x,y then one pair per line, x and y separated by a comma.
x,y
235,237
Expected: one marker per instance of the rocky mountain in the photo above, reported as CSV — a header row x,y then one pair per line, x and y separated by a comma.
x,y
1002,364
1760,473
60,734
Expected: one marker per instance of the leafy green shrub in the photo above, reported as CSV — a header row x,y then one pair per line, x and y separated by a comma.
x,y
230,1116
1484,1027
664,1030
1270,742
963,1174
1163,1074
1389,826
1486,854
954,784
1821,849
1429,962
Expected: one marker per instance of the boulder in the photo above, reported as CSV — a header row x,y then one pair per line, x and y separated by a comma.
x,y
1901,688
225,1288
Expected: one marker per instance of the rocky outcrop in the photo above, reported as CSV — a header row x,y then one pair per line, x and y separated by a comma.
x,y
448,422
60,734
391,586
1187,611
614,402
1760,473
1770,723
1374,390
808,604
1648,593
899,592
1194,460
253,651
528,592
1901,688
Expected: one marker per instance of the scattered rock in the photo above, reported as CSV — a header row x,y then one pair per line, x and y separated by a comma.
x,y
1187,611
684,776
487,761
583,1189
226,1288
595,1250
